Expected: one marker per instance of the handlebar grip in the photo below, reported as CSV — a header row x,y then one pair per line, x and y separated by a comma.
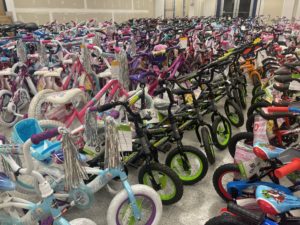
x,y
37,138
105,107
288,168
90,46
277,109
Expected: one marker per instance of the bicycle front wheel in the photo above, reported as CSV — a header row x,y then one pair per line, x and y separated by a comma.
x,y
196,161
162,179
120,210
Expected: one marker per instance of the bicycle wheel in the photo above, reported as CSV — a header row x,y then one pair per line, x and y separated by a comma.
x,y
221,132
197,162
120,211
35,109
242,91
164,180
250,122
222,176
7,119
256,107
258,97
208,145
234,113
246,137
225,220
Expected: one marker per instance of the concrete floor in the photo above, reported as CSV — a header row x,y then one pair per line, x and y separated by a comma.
x,y
199,202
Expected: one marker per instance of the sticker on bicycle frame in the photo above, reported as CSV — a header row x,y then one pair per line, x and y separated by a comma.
x,y
125,137
250,167
115,69
183,42
243,152
150,112
260,130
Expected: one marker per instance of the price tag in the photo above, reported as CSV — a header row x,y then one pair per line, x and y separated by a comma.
x,y
294,86
150,112
125,137
281,38
183,42
115,69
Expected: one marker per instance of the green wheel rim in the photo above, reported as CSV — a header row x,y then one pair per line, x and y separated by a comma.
x,y
168,188
234,118
221,133
211,146
195,170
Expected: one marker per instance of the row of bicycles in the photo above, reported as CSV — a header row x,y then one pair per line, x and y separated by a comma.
x,y
88,102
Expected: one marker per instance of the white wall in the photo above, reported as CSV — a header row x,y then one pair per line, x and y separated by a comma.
x,y
159,8
288,8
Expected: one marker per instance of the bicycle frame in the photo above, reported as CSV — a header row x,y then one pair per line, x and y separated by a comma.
x,y
114,84
37,212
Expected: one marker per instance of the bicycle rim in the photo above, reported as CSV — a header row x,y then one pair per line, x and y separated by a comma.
x,y
146,206
168,188
195,170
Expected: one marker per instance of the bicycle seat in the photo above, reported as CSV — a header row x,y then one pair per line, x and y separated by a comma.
x,y
274,202
268,59
64,97
41,72
55,73
7,72
292,65
266,151
283,71
285,78
31,26
24,129
281,87
6,184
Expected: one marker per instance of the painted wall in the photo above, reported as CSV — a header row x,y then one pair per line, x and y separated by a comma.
x,y
271,7
42,11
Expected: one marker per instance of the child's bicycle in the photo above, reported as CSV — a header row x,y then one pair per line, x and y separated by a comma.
x,y
20,211
127,207
273,202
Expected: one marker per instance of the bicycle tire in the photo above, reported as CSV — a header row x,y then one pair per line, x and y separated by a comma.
x,y
203,165
208,145
164,171
221,145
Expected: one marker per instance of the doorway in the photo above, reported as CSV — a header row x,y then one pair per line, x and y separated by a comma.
x,y
236,8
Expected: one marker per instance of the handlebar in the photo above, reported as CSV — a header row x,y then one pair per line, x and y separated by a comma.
x,y
37,138
291,167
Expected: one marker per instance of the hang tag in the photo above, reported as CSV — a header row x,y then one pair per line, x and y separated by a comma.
x,y
183,42
281,38
150,112
250,167
125,137
41,84
260,130
115,69
294,86
243,27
